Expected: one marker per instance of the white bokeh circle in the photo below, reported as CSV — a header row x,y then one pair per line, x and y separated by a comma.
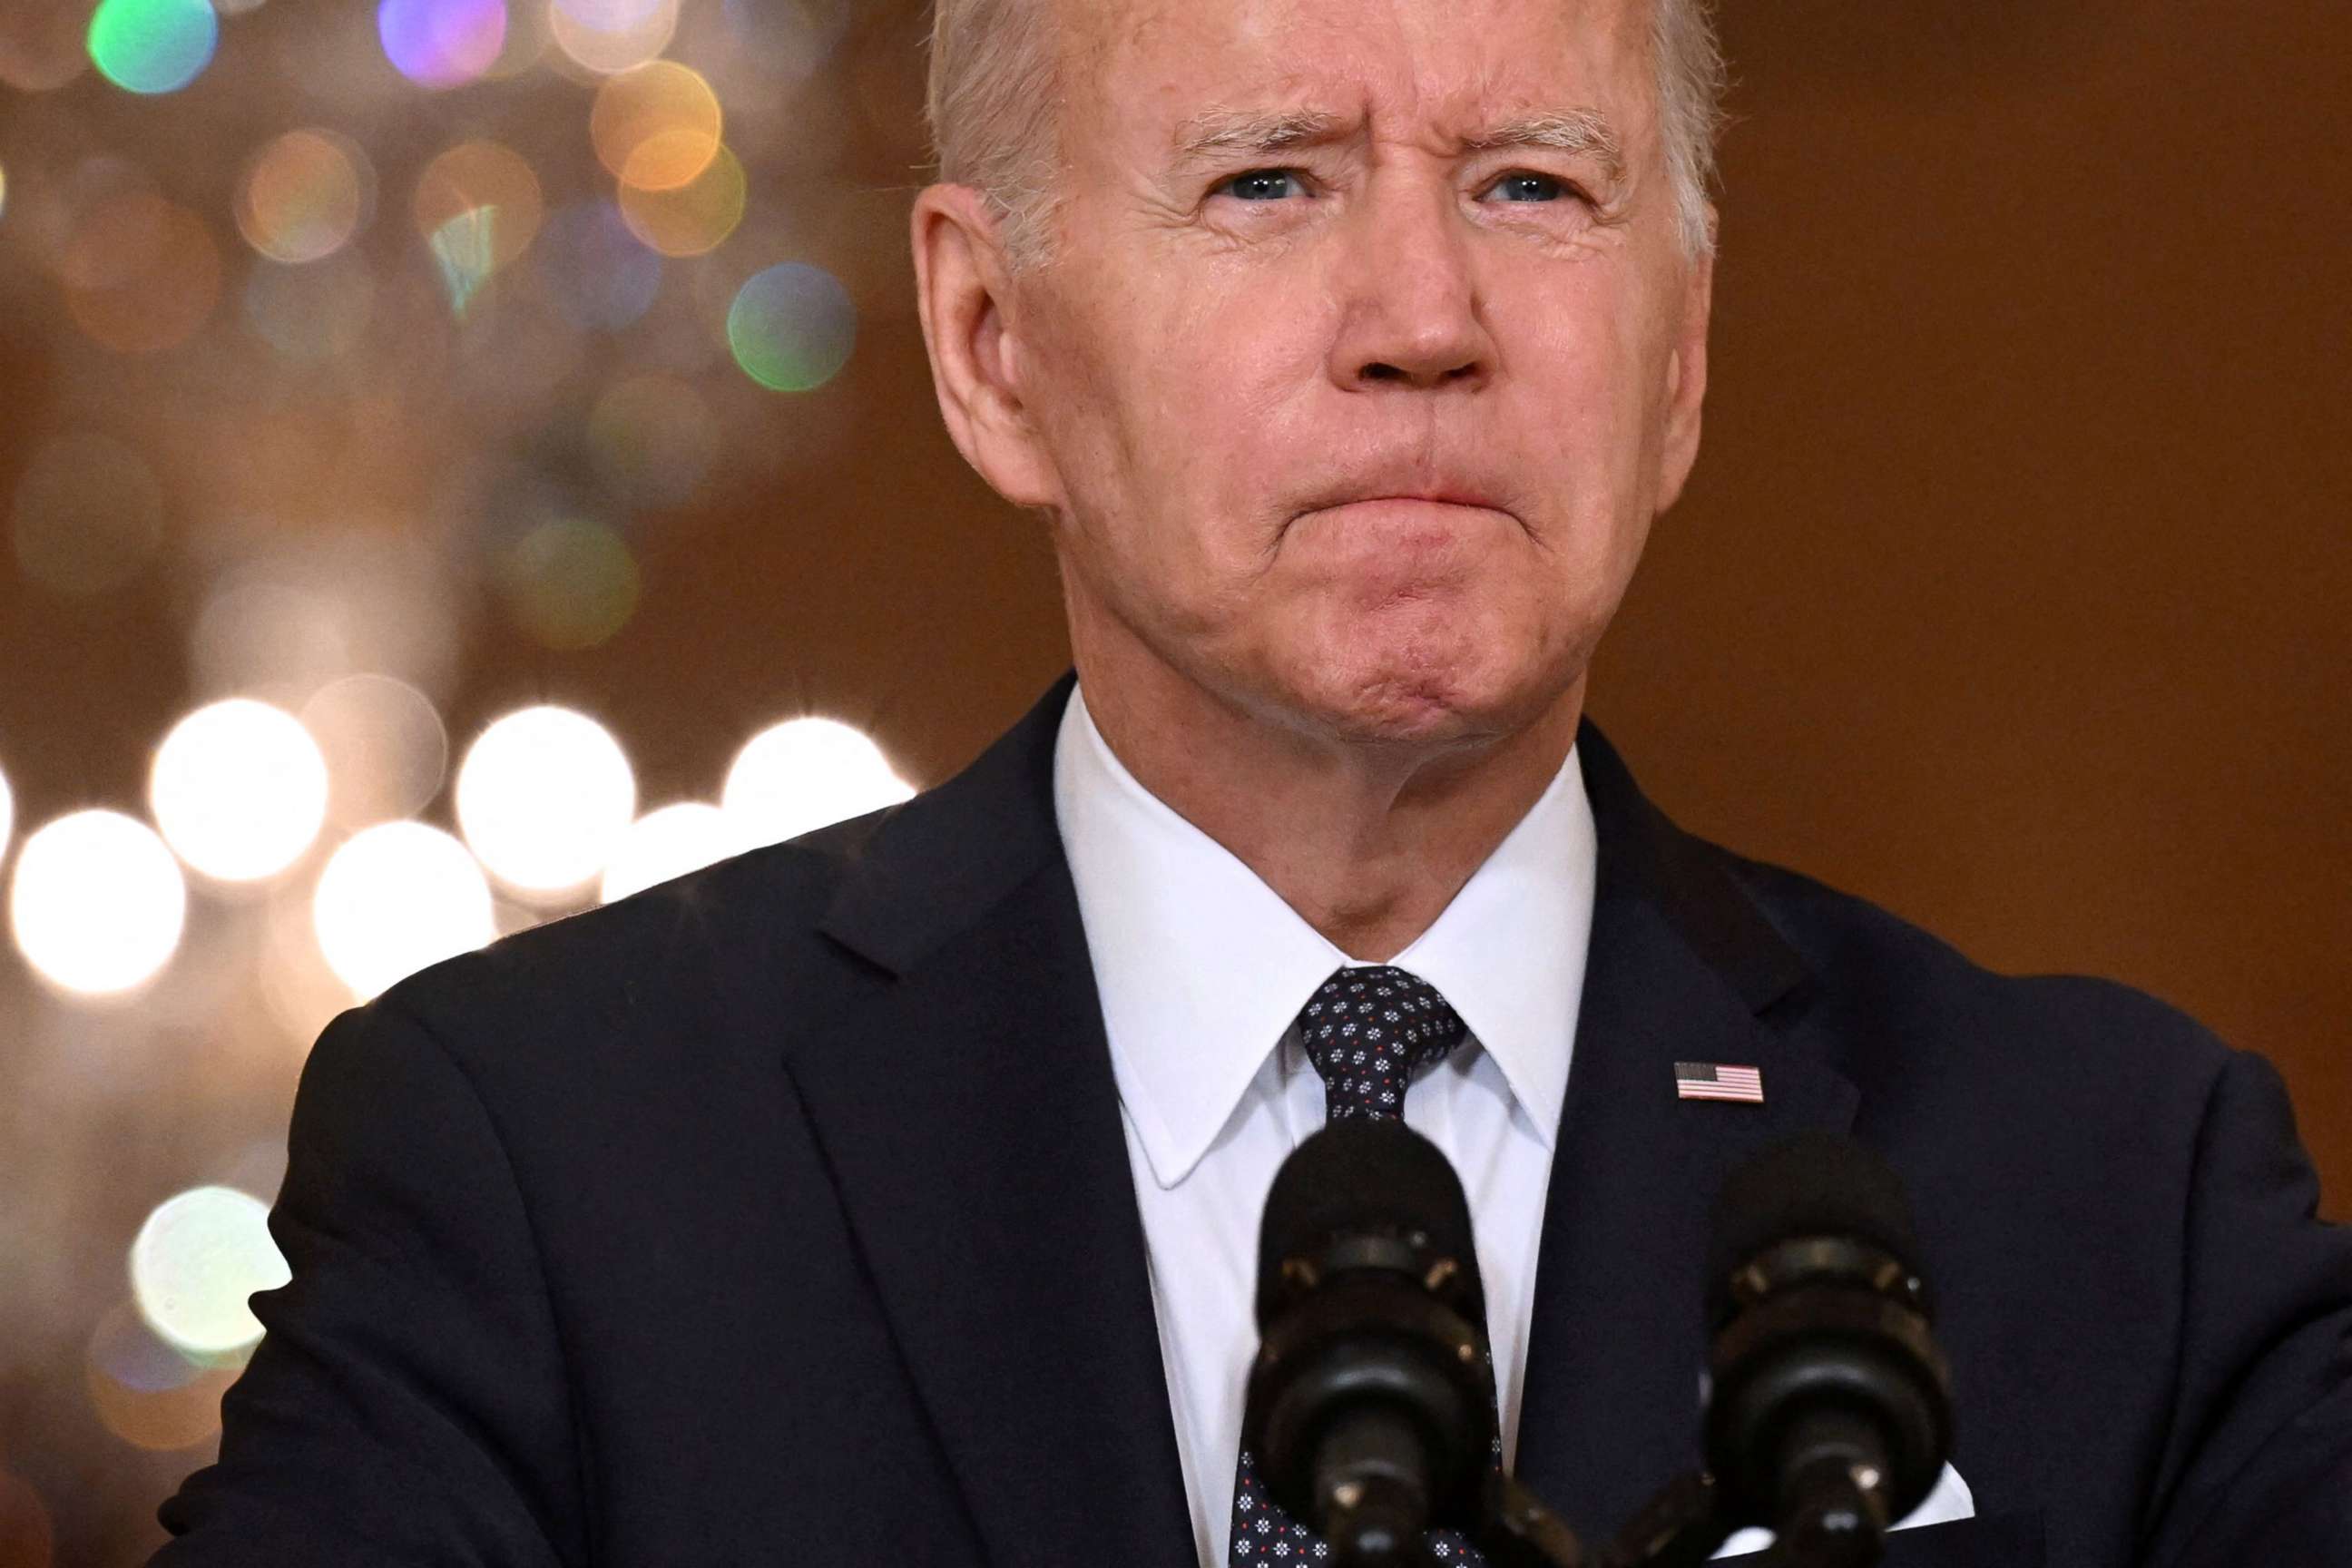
x,y
195,1260
543,797
97,902
669,843
806,773
240,790
394,899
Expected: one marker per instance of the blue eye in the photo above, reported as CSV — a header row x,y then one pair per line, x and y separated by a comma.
x,y
1261,185
1529,188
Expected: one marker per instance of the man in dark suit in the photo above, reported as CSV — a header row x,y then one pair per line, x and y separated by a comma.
x,y
875,1196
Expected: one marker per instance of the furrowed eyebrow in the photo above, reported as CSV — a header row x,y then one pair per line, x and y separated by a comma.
x,y
1581,130
1219,132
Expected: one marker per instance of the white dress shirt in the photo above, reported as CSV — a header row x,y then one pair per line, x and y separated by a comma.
x,y
1203,970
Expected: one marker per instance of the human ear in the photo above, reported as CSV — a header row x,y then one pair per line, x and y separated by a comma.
x,y
963,288
1686,378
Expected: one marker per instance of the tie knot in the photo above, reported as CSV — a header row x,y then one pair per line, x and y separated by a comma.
x,y
1368,1031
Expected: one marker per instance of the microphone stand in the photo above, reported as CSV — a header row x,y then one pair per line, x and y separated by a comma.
x,y
1681,1527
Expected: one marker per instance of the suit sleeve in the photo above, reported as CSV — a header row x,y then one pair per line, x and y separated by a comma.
x,y
407,1404
2258,1465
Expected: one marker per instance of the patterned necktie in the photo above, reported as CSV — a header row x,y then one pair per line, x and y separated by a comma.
x,y
1367,1031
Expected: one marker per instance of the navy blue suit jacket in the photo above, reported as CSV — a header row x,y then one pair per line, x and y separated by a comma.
x,y
782,1215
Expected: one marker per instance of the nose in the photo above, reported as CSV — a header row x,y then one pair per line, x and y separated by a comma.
x,y
1411,312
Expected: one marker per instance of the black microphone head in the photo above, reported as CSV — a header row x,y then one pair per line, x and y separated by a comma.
x,y
1831,1407
1365,1175
1370,1409
1810,1184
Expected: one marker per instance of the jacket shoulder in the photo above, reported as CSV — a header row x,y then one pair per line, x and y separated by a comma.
x,y
1899,992
695,955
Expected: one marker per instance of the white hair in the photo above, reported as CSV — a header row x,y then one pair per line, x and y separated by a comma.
x,y
993,103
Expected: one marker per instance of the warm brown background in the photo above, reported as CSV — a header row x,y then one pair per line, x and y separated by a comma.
x,y
2010,591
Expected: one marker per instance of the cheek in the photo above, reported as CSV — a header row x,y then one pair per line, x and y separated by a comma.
x,y
1591,380
1223,371
1190,417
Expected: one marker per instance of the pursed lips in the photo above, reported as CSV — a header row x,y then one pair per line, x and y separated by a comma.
x,y
1408,498
1433,499
1435,507
1436,510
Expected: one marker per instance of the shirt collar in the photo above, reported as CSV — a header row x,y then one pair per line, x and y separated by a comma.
x,y
1202,967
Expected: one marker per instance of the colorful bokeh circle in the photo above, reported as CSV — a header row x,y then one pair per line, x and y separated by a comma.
x,y
141,274
792,327
691,219
571,583
152,46
602,276
193,1265
311,313
605,36
146,1392
485,185
304,196
442,43
657,126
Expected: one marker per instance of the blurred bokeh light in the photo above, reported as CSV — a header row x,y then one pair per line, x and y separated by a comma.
x,y
442,43
43,46
141,273
354,352
152,46
543,797
692,218
385,747
609,35
570,583
304,196
280,623
603,278
804,773
313,312
97,902
655,127
669,843
194,1261
145,1391
478,207
395,898
792,327
240,790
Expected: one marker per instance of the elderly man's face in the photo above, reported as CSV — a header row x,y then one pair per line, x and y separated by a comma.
x,y
1369,350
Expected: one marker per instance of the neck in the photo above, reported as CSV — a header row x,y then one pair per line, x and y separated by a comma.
x,y
1367,841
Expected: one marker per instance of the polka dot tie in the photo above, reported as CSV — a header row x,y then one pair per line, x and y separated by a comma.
x,y
1367,1031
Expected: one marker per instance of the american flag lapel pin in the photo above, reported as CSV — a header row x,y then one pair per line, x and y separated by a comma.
x,y
1718,1080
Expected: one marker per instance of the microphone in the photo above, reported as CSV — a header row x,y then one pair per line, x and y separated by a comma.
x,y
1831,1413
1370,1407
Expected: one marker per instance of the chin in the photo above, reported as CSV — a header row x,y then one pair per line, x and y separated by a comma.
x,y
1425,701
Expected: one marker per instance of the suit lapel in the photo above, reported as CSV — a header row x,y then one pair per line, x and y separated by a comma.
x,y
965,1102
1682,968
